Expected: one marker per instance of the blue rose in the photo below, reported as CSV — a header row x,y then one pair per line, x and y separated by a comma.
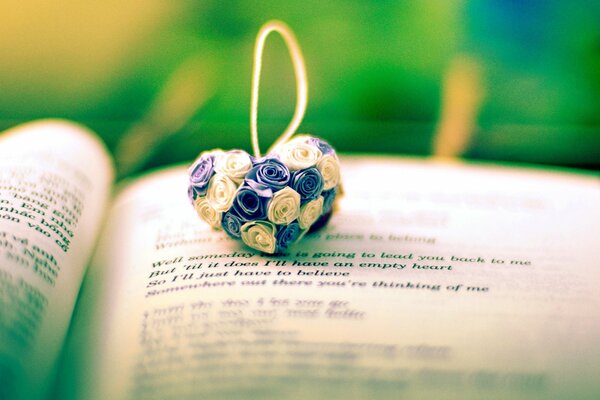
x,y
322,145
251,204
231,224
201,173
287,234
308,183
328,199
269,172
191,194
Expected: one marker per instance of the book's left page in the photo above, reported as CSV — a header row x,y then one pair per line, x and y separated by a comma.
x,y
55,180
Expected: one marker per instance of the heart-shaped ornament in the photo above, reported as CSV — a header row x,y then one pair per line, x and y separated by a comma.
x,y
269,202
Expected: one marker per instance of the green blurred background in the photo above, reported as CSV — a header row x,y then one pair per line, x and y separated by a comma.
x,y
500,80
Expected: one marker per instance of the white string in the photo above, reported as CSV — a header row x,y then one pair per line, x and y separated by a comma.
x,y
301,81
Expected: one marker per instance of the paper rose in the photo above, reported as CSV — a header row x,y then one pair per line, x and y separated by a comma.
x,y
299,155
269,172
259,235
287,234
220,193
249,204
207,212
201,172
321,145
271,202
310,212
308,183
232,224
235,164
284,207
329,167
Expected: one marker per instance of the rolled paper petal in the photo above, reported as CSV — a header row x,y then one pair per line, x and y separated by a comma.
x,y
284,207
271,172
329,167
191,194
232,224
259,235
235,164
201,172
221,192
249,204
299,155
287,235
322,145
262,190
207,212
310,212
328,199
308,183
256,161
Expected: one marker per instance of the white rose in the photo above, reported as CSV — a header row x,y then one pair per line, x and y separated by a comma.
x,y
299,155
235,164
207,212
310,212
259,235
221,191
284,207
329,167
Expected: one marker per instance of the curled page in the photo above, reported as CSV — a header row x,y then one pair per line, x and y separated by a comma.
x,y
54,184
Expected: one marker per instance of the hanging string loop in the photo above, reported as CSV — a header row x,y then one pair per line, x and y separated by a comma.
x,y
301,81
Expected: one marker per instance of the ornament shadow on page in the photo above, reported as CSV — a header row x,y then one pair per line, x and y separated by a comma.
x,y
271,201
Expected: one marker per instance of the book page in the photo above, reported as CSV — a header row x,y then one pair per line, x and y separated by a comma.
x,y
431,281
54,183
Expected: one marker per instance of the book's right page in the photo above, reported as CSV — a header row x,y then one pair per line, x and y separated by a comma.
x,y
432,280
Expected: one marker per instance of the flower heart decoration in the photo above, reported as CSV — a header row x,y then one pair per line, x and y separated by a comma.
x,y
269,202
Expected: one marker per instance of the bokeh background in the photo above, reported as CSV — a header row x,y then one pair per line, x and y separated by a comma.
x,y
160,81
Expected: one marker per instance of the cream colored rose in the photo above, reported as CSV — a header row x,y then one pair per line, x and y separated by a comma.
x,y
260,235
310,212
329,167
207,212
284,207
221,191
214,152
235,164
299,155
300,138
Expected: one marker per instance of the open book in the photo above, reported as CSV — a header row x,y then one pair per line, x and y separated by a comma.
x,y
432,280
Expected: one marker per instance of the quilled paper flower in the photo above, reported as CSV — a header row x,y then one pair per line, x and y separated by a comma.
x,y
260,235
207,212
308,183
284,207
201,173
235,164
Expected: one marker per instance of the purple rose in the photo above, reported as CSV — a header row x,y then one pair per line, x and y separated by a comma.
x,y
328,199
322,145
269,172
250,204
201,173
308,183
287,234
231,224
